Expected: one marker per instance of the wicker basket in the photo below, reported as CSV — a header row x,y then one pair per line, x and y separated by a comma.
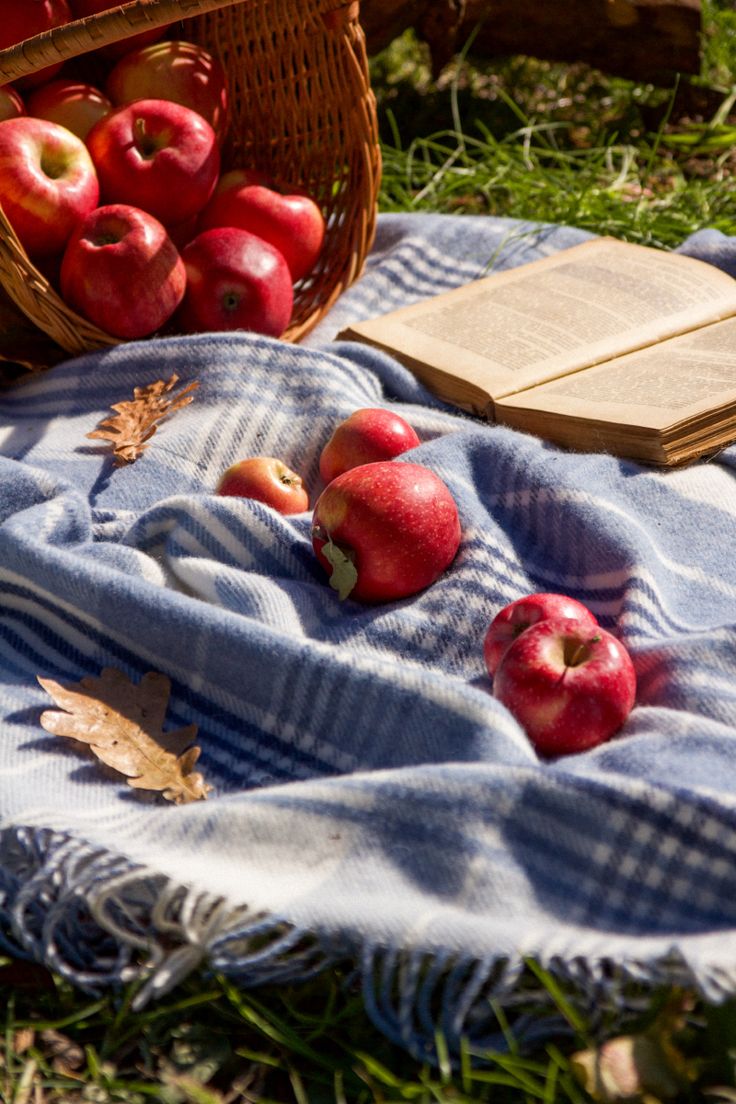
x,y
301,108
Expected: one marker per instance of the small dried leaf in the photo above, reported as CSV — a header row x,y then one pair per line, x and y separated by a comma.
x,y
66,1055
23,1039
137,420
123,724
636,1069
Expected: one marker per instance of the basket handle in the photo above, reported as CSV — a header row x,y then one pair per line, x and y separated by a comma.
x,y
83,35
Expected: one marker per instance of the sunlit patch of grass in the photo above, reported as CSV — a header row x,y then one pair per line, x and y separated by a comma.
x,y
559,143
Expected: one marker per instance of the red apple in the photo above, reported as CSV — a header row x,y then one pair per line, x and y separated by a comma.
x,y
157,155
21,19
113,50
235,281
384,531
179,71
47,182
11,105
570,684
71,103
122,271
519,615
268,480
367,435
293,223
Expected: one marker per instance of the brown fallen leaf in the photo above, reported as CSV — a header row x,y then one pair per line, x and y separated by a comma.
x,y
66,1056
122,722
23,1040
645,1068
137,419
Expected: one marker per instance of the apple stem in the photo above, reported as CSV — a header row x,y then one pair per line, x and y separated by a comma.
x,y
580,653
146,143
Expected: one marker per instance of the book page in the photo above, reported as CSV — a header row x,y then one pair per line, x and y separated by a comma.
x,y
654,388
513,330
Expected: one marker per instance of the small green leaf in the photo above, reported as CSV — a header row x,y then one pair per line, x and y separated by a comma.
x,y
344,572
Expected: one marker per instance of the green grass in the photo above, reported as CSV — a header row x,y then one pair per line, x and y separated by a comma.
x,y
563,143
210,1043
525,139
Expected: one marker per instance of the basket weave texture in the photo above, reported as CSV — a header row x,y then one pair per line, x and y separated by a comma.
x,y
301,110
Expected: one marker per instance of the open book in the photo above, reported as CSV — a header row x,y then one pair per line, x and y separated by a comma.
x,y
606,346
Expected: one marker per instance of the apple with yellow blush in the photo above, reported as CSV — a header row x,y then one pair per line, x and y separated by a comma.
x,y
266,479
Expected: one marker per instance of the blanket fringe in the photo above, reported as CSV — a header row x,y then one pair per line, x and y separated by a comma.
x,y
101,922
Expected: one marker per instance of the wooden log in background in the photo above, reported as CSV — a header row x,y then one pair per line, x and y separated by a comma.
x,y
640,39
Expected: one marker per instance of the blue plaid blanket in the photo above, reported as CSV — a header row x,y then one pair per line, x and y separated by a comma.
x,y
371,800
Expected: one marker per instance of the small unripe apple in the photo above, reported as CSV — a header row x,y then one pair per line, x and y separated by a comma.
x,y
366,436
517,616
570,684
266,479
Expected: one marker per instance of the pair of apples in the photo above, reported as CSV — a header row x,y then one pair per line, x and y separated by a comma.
x,y
569,682
120,200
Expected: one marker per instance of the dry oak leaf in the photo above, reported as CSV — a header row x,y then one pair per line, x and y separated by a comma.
x,y
122,722
136,421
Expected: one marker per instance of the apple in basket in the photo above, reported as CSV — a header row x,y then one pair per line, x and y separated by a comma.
x,y
82,8
121,270
70,103
11,104
266,479
570,684
292,222
366,436
21,19
385,531
235,281
517,616
157,155
181,71
47,182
